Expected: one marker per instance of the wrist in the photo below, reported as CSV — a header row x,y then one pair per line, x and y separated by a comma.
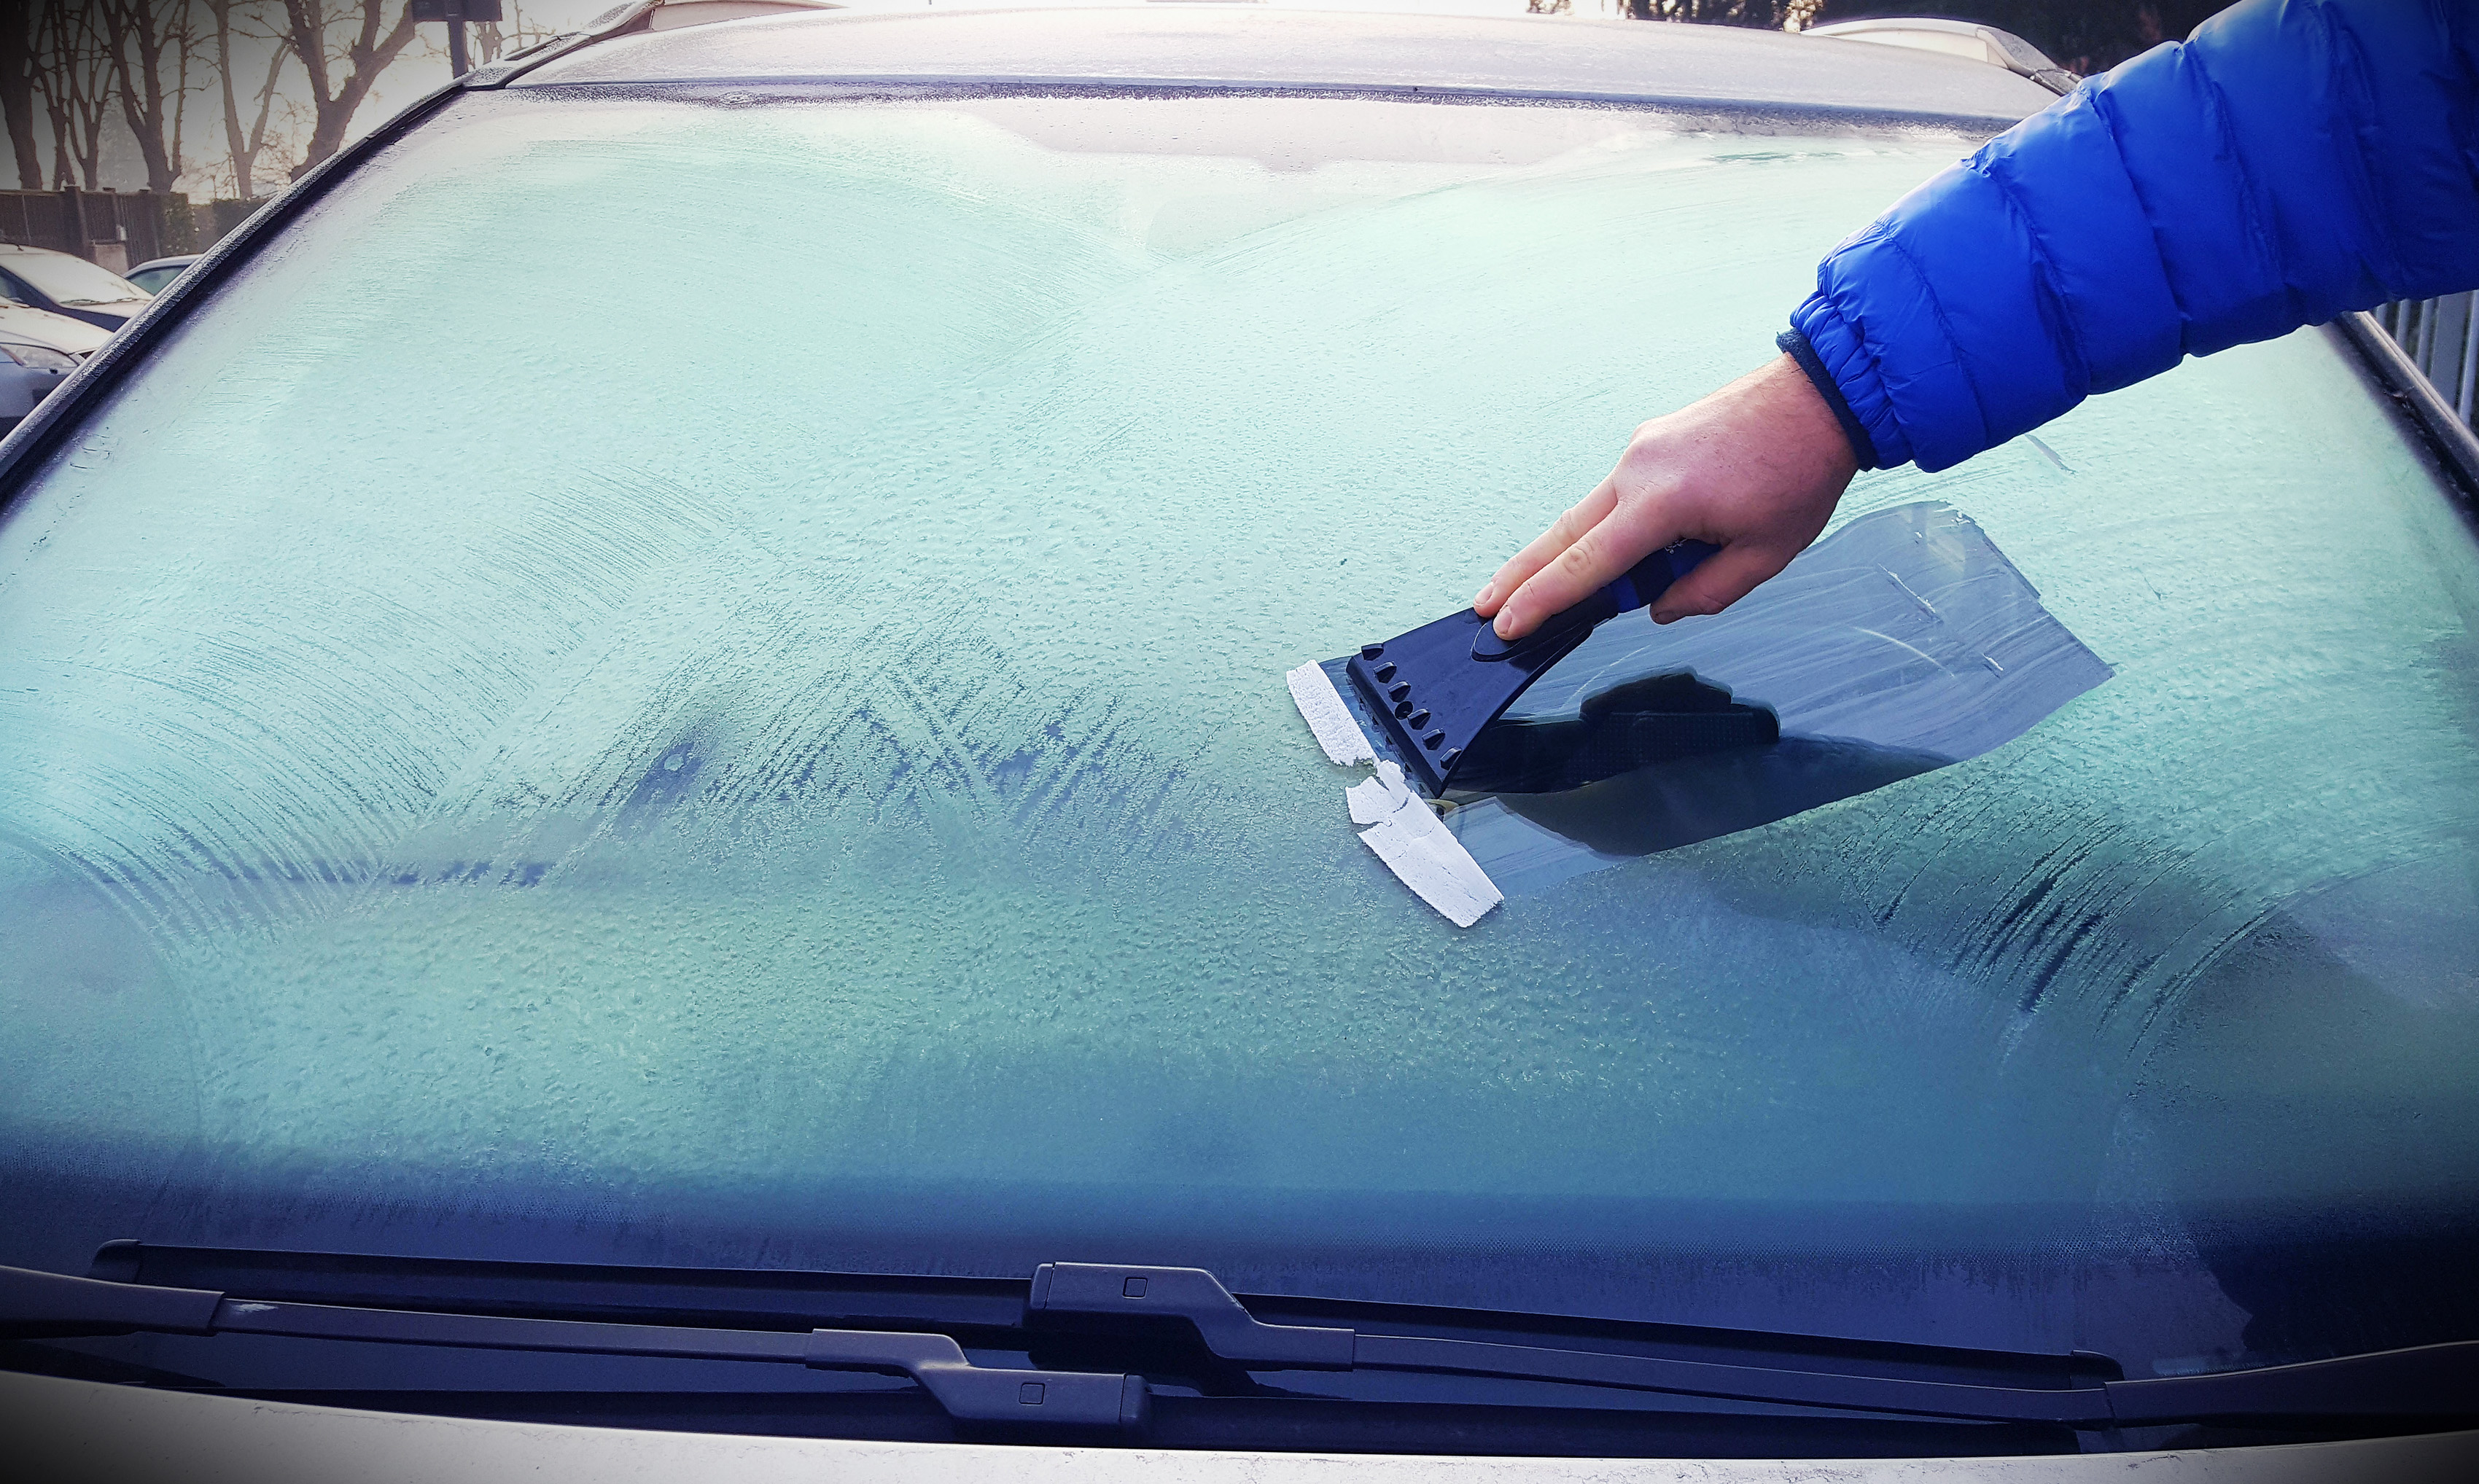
x,y
1797,353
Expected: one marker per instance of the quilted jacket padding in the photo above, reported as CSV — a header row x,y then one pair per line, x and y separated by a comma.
x,y
2292,160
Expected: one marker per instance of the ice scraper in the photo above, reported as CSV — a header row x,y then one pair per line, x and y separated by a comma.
x,y
1434,690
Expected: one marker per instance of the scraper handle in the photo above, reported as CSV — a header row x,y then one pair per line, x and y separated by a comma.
x,y
1641,585
1638,587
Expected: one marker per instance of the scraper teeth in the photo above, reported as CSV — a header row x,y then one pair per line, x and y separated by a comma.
x,y
1423,696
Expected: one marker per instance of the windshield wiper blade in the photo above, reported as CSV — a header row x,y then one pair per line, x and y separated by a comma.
x,y
2425,1381
35,1304
1058,1303
53,1305
1130,1301
985,1307
1235,1336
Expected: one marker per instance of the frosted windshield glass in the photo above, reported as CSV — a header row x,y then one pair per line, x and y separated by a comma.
x,y
703,682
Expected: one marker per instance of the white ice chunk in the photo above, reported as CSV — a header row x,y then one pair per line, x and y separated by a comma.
x,y
1418,847
1313,693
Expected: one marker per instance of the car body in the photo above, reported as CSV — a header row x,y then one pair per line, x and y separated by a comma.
x,y
153,275
797,849
41,349
40,278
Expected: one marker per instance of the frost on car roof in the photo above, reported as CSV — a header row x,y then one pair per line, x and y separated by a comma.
x,y
1689,64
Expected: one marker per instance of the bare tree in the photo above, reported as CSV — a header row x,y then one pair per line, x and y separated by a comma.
x,y
151,43
242,147
350,35
73,72
285,138
496,38
1769,13
53,84
17,89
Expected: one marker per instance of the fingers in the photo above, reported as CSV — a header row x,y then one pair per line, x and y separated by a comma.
x,y
1546,547
1755,468
1593,558
1721,580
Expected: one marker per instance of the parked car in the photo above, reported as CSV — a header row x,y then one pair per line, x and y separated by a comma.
x,y
153,275
64,285
38,351
772,888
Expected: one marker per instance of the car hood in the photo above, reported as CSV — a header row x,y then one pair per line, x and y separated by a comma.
x,y
42,327
127,309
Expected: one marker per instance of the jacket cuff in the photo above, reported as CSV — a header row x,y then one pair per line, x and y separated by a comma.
x,y
1851,371
1795,345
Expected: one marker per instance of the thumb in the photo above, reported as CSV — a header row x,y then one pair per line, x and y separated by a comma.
x,y
1719,580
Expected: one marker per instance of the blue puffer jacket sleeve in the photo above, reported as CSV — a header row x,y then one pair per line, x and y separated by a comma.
x,y
2294,160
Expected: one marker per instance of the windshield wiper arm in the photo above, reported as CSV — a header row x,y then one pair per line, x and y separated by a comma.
x,y
35,1304
2426,1381
47,1304
2431,1381
1235,1336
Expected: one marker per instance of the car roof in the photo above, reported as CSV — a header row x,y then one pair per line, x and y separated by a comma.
x,y
1224,45
180,260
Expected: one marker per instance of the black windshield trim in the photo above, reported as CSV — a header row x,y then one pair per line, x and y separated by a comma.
x,y
2430,423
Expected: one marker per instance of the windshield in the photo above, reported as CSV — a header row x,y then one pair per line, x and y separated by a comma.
x,y
803,776
67,280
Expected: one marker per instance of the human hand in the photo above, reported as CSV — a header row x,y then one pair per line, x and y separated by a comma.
x,y
1755,468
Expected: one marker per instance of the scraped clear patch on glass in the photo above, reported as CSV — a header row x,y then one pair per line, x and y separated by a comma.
x,y
1902,643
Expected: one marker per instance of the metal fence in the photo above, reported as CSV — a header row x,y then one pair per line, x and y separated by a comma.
x,y
130,226
100,225
2441,339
